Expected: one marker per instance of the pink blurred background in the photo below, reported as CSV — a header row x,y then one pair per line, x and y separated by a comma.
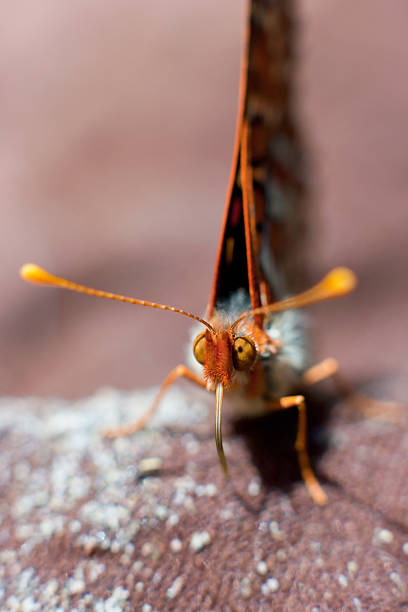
x,y
117,123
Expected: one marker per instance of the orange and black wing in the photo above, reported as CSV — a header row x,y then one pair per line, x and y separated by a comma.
x,y
263,222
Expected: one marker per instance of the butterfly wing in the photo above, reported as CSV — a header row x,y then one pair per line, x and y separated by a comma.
x,y
263,226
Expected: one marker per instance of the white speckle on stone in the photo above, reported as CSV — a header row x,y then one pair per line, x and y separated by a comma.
x,y
51,526
357,604
184,486
8,556
208,490
352,568
275,531
87,599
13,603
226,514
29,605
50,589
147,608
405,548
115,603
281,555
78,487
26,578
139,586
175,545
105,515
149,465
185,483
75,526
270,586
129,548
397,580
115,547
175,588
137,566
264,589
386,536
246,587
192,446
172,520
382,536
262,568
157,577
189,503
125,559
75,586
254,487
342,580
95,570
25,504
147,549
24,531
161,512
211,489
89,543
273,585
199,540
15,569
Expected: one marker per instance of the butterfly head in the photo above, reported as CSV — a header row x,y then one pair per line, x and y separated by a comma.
x,y
222,353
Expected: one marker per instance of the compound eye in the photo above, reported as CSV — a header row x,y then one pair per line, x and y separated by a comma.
x,y
243,353
199,348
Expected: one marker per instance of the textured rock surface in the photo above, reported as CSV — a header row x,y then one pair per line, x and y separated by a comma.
x,y
82,527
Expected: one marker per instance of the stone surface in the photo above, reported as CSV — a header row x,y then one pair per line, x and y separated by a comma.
x,y
83,528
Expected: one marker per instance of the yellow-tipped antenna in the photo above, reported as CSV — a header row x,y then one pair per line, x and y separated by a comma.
x,y
336,283
34,274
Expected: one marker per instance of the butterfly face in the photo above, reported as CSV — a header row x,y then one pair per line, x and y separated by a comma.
x,y
222,354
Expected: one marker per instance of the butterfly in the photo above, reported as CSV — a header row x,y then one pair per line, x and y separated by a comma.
x,y
252,342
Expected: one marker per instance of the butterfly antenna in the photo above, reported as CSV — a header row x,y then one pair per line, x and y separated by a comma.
x,y
34,274
336,283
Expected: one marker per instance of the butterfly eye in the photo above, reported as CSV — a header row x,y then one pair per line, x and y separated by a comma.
x,y
199,348
243,353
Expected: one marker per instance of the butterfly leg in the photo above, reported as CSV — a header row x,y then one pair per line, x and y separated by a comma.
x,y
368,407
322,370
131,428
325,369
312,484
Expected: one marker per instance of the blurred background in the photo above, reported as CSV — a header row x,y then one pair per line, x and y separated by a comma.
x,y
117,122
